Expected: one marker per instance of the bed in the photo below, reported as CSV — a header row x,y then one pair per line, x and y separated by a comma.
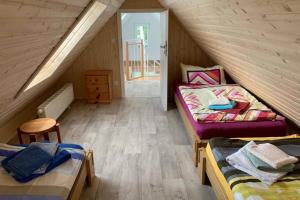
x,y
229,183
64,182
200,132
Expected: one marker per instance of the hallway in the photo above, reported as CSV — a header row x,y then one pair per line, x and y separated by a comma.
x,y
142,88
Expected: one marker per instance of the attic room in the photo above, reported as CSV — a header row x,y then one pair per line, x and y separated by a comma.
x,y
149,99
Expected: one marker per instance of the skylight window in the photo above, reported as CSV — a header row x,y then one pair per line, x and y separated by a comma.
x,y
64,49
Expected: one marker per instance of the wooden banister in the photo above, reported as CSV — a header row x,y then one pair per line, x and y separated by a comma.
x,y
136,64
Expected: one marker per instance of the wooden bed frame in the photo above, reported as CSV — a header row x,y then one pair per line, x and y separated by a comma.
x,y
205,170
197,143
86,173
207,174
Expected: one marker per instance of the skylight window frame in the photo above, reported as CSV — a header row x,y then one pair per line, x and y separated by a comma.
x,y
69,41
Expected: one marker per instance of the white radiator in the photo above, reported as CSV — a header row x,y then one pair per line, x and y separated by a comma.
x,y
54,106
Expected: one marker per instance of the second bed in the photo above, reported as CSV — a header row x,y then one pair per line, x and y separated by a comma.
x,y
200,132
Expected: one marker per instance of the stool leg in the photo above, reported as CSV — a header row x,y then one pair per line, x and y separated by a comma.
x,y
32,138
46,136
58,133
20,136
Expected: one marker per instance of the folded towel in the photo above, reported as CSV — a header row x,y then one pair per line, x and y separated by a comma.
x,y
259,164
222,107
272,155
239,108
206,96
219,101
60,157
240,161
51,148
27,161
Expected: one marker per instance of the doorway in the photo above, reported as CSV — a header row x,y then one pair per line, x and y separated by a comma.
x,y
143,56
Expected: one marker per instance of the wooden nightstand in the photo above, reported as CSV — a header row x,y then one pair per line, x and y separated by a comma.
x,y
99,86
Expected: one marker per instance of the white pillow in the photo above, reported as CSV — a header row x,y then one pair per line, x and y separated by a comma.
x,y
186,68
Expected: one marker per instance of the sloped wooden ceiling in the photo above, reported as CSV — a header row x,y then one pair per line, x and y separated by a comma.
x,y
257,41
29,31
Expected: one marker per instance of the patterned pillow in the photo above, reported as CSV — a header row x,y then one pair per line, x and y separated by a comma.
x,y
186,68
207,77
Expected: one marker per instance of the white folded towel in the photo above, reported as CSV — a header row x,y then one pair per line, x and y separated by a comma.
x,y
272,155
219,101
206,96
240,161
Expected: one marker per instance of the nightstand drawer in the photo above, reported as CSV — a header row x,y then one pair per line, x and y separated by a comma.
x,y
98,88
97,80
97,97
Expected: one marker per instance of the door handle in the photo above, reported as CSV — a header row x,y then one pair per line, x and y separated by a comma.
x,y
165,48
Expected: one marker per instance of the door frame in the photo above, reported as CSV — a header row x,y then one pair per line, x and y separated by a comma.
x,y
119,21
164,53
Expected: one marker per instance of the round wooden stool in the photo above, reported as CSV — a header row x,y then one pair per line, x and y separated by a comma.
x,y
36,127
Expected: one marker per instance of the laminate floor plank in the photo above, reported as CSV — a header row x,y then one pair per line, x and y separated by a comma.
x,y
130,185
175,124
142,88
150,171
175,189
140,151
191,182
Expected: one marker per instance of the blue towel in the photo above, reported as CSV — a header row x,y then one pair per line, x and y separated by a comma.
x,y
50,148
27,161
222,107
60,157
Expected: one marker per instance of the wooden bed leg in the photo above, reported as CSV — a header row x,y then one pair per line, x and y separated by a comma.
x,y
195,155
90,167
202,166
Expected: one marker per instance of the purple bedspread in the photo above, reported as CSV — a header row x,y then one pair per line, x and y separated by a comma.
x,y
234,129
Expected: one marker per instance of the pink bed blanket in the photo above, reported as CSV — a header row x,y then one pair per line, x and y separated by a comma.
x,y
196,98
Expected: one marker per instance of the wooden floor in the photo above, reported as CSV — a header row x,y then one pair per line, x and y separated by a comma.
x,y
142,88
140,151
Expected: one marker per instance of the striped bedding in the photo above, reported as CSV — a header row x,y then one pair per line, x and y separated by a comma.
x,y
194,95
55,185
244,186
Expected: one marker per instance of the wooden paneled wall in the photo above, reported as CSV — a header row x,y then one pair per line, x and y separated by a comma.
x,y
257,41
141,4
29,31
182,49
103,52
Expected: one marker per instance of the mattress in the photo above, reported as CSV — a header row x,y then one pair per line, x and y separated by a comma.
x,y
55,185
239,185
233,129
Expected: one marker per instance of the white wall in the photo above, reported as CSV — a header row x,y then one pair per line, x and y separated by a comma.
x,y
128,32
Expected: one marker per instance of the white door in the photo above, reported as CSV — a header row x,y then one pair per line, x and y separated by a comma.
x,y
164,24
